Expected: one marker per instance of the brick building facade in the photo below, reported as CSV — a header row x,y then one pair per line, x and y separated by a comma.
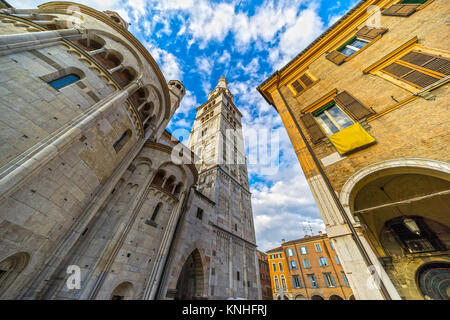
x,y
366,109
264,276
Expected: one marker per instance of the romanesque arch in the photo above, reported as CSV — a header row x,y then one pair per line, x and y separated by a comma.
x,y
190,283
10,269
124,291
403,206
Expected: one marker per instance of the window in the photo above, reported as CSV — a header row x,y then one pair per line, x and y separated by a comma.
x,y
279,256
323,262
344,277
280,265
289,252
293,264
274,267
306,263
318,247
235,227
426,241
155,211
303,250
302,83
419,69
313,281
332,119
329,280
283,282
199,213
64,81
337,260
352,46
296,281
277,284
238,276
403,8
123,139
331,245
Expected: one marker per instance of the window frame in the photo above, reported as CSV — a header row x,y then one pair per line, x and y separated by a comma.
x,y
394,56
355,49
297,78
315,114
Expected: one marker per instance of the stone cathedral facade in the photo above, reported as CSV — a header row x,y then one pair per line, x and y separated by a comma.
x,y
97,199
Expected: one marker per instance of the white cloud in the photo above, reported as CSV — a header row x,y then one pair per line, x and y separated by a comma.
x,y
307,27
168,63
204,65
284,210
224,58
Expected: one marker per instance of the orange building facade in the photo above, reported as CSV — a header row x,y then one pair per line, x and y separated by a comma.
x,y
264,276
279,274
315,271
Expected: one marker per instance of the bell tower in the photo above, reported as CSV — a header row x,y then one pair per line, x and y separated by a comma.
x,y
216,138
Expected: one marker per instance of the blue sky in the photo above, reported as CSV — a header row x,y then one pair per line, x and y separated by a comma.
x,y
198,41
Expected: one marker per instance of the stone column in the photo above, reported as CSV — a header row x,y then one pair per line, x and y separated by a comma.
x,y
163,252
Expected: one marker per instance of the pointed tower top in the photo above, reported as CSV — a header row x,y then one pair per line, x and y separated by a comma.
x,y
223,83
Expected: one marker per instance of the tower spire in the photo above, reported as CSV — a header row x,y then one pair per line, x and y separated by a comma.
x,y
222,83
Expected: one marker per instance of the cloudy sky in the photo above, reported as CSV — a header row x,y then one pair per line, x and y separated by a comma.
x,y
198,41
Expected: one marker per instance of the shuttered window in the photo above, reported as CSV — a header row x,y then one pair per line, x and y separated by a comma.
x,y
419,69
352,46
353,106
404,8
312,127
368,33
363,37
332,119
302,83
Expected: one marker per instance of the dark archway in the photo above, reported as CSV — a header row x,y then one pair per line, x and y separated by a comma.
x,y
405,214
433,280
10,268
191,279
317,297
300,297
352,297
335,297
123,291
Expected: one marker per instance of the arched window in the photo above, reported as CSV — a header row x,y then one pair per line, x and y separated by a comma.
x,y
159,178
277,284
64,81
118,145
178,189
283,282
169,184
155,212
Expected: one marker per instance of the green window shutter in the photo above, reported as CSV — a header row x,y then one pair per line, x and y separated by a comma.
x,y
401,10
336,57
353,106
312,127
368,33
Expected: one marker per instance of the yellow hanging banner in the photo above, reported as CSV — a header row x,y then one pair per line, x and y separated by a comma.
x,y
351,138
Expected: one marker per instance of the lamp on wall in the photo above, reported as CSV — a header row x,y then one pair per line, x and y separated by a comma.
x,y
411,225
